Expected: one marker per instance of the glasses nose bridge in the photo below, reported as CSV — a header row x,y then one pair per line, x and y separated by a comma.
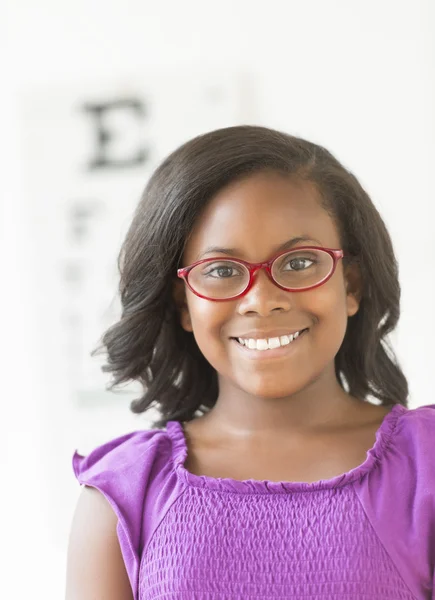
x,y
256,267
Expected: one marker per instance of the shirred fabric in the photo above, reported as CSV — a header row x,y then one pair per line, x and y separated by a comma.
x,y
366,534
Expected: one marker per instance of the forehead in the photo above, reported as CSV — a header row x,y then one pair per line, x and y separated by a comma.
x,y
259,213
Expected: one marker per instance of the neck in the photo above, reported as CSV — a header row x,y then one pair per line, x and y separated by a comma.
x,y
320,405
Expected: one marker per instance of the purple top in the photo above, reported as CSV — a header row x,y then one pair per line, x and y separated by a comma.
x,y
368,533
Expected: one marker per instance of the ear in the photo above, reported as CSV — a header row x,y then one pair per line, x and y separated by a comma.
x,y
353,288
180,300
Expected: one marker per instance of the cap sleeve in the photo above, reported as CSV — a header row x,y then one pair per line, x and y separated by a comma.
x,y
121,469
399,498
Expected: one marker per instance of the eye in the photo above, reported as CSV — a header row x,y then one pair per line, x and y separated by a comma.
x,y
224,270
297,263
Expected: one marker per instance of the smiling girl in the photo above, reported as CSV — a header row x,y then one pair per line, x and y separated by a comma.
x,y
258,285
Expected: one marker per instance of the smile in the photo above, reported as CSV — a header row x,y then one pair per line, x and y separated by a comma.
x,y
270,343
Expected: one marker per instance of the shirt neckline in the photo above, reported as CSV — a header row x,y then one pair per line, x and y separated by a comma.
x,y
254,486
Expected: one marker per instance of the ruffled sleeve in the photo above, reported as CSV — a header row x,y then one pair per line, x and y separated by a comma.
x,y
398,497
121,470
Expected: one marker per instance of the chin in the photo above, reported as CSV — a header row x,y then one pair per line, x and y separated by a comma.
x,y
270,392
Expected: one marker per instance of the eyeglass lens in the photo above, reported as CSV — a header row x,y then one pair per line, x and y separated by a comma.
x,y
225,278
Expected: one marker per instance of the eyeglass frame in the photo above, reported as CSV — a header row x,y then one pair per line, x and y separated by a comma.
x,y
253,268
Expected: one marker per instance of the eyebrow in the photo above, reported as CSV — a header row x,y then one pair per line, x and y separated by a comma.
x,y
237,252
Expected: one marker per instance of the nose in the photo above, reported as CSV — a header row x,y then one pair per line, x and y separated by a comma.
x,y
264,297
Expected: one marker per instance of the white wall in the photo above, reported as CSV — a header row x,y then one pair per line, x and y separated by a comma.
x,y
356,76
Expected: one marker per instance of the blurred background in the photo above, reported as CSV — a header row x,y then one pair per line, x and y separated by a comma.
x,y
94,95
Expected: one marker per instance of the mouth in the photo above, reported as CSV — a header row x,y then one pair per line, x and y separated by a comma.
x,y
270,347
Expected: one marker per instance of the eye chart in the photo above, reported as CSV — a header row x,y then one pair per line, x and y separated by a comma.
x,y
88,151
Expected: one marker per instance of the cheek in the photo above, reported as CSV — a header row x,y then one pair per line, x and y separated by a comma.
x,y
209,320
326,309
329,308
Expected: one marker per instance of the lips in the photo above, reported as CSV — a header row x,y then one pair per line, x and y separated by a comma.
x,y
269,344
268,348
259,335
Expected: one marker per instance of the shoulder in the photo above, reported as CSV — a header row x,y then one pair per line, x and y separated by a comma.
x,y
414,433
403,467
421,414
123,469
128,472
403,474
123,455
398,493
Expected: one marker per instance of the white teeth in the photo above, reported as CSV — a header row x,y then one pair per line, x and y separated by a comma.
x,y
266,344
262,345
274,343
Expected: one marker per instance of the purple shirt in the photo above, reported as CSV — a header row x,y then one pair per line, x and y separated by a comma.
x,y
368,533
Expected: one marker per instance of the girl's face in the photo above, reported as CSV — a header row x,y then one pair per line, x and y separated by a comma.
x,y
255,216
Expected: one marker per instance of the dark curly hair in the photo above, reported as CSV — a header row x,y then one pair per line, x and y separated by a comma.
x,y
148,344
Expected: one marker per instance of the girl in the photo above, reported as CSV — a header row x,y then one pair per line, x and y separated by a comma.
x,y
258,285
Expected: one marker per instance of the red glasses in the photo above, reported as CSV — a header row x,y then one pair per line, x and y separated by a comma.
x,y
296,270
